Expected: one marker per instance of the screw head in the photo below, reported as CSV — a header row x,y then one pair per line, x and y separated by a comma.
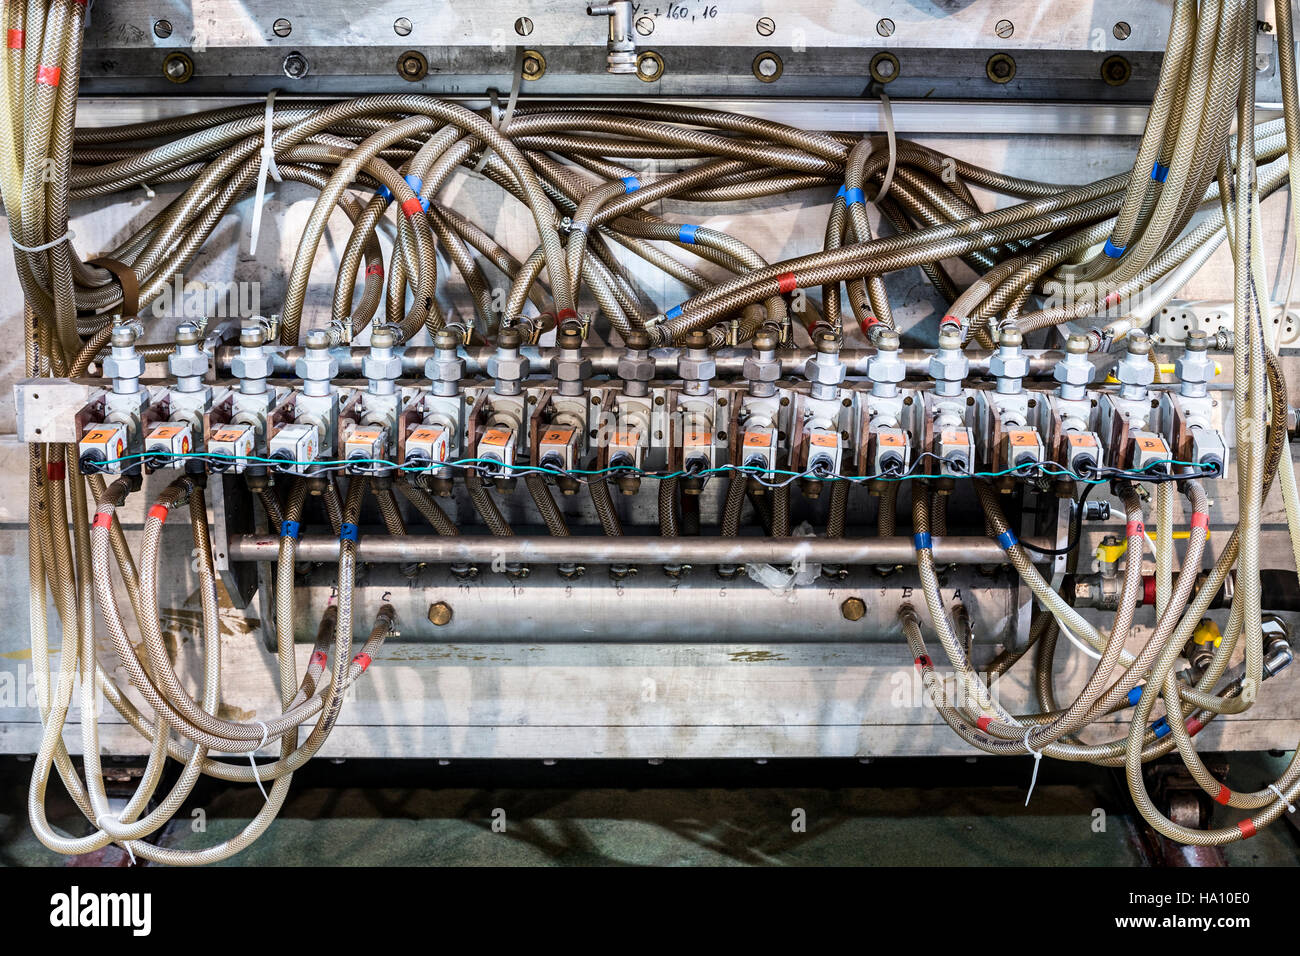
x,y
282,27
766,26
885,27
645,26
1004,28
523,26
853,609
402,27
296,66
440,614
162,29
1122,31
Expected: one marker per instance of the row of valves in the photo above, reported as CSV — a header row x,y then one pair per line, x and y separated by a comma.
x,y
821,427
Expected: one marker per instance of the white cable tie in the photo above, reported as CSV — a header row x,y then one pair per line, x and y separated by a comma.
x,y
268,165
253,763
69,235
1290,807
500,122
887,113
1038,758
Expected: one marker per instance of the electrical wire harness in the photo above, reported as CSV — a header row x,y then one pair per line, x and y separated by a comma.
x,y
385,162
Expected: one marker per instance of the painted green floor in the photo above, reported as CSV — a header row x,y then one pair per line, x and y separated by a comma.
x,y
921,824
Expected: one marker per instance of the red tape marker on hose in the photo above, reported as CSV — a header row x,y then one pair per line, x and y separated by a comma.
x,y
375,269
102,520
17,39
159,511
1247,828
1135,529
412,208
923,661
1200,519
56,471
318,657
363,659
983,722
48,75
1223,796
786,282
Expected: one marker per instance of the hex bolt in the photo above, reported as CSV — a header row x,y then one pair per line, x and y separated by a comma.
x,y
189,362
296,66
853,609
1008,364
318,366
762,368
635,366
948,365
1074,372
886,369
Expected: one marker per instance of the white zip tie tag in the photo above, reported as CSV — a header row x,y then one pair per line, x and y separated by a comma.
x,y
1290,807
1038,759
887,114
501,119
268,165
253,763
67,236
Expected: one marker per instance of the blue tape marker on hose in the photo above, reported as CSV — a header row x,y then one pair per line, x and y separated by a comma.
x,y
1161,728
416,184
921,541
348,532
839,193
1135,695
686,233
1007,540
1112,251
1159,173
631,184
673,312
854,195
384,193
289,529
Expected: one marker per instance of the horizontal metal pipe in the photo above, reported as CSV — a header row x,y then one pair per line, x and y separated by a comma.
x,y
862,606
629,549
604,360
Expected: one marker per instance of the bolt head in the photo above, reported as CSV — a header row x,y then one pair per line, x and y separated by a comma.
x,y
1015,365
129,366
1074,373
376,367
756,370
250,363
510,368
824,373
697,368
636,369
181,365
887,366
318,365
